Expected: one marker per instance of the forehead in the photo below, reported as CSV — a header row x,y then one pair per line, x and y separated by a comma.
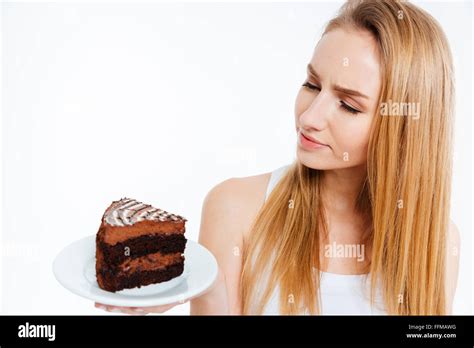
x,y
349,58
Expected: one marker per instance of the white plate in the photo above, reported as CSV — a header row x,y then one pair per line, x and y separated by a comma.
x,y
74,268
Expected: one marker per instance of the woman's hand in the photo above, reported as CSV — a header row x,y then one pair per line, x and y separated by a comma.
x,y
138,310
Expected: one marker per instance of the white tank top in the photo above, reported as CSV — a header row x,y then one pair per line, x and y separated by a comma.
x,y
341,294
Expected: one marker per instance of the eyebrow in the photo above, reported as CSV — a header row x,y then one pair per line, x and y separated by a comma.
x,y
313,72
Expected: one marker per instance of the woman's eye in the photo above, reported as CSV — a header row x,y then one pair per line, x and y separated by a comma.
x,y
343,105
349,108
311,86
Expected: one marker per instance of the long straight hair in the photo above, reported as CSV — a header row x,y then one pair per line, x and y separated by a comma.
x,y
406,193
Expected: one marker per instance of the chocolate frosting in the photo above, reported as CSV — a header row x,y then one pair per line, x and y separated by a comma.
x,y
128,211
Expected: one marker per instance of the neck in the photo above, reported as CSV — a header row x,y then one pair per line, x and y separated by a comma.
x,y
341,188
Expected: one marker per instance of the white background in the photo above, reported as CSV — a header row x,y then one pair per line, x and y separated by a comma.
x,y
160,102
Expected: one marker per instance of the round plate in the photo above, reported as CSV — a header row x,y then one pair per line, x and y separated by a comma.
x,y
74,268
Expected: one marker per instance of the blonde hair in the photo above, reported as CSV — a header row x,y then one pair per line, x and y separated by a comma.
x,y
407,189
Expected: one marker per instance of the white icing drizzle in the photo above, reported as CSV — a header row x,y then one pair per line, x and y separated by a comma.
x,y
128,211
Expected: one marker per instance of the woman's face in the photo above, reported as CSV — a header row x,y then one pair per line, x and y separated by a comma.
x,y
337,102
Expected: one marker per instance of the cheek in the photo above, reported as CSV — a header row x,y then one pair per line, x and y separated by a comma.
x,y
351,136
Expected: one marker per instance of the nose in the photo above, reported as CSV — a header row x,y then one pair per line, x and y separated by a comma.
x,y
316,116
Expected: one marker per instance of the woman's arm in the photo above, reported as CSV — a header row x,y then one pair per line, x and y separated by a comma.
x,y
223,218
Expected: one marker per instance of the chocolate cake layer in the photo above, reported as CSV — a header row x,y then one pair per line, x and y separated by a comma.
x,y
139,246
113,282
150,262
117,234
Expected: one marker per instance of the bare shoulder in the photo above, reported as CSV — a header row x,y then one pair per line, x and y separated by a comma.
x,y
453,244
249,185
235,202
244,193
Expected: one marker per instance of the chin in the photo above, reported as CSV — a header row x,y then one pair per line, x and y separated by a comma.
x,y
315,160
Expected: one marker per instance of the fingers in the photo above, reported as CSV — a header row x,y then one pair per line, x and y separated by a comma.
x,y
130,310
124,310
163,308
138,310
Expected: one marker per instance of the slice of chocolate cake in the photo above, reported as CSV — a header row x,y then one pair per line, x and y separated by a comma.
x,y
138,245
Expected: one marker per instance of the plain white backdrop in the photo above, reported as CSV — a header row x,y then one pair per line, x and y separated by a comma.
x,y
160,102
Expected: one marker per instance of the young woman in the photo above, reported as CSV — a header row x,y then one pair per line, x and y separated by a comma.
x,y
373,123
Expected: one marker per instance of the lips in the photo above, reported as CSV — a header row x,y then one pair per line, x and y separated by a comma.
x,y
309,138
